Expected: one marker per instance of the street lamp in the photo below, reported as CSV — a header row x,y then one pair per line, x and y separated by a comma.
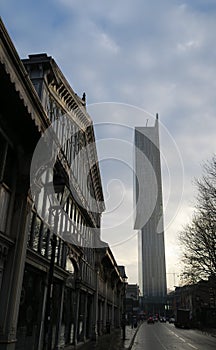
x,y
60,188
124,277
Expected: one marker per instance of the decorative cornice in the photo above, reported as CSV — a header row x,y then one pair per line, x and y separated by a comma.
x,y
59,85
74,106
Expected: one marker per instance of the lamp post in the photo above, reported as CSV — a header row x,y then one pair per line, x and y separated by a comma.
x,y
48,313
56,211
124,307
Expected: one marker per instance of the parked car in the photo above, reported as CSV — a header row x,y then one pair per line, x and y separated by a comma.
x,y
150,320
171,320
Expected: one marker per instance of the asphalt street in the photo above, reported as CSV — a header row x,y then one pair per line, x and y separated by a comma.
x,y
165,336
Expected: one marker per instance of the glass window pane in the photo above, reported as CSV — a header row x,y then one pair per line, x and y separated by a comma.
x,y
4,206
9,168
37,228
2,155
30,229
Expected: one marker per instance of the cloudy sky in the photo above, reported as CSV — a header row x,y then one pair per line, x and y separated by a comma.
x,y
134,58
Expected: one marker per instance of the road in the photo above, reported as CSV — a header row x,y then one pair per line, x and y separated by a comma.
x,y
164,336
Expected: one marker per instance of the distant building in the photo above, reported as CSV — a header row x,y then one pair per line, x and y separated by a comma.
x,y
59,283
199,298
132,302
132,291
149,216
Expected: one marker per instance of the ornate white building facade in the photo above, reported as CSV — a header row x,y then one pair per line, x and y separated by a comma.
x,y
59,283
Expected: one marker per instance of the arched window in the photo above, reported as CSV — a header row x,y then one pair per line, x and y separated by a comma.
x,y
69,265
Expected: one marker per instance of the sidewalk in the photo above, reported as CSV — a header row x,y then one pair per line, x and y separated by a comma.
x,y
130,335
111,341
208,331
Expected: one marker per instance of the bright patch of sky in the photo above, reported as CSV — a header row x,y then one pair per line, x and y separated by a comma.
x,y
142,57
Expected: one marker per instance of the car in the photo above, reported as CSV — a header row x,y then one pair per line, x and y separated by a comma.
x,y
150,320
162,319
171,320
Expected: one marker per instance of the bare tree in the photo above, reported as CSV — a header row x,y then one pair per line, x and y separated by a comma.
x,y
198,238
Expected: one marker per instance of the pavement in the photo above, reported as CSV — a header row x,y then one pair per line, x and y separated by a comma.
x,y
112,341
208,331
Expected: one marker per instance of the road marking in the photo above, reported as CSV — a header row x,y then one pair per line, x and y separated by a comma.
x,y
192,346
182,339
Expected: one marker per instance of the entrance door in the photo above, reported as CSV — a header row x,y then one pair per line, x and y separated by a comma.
x,y
30,311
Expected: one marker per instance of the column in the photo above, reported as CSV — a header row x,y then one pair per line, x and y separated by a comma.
x,y
95,308
105,310
59,326
40,343
76,323
3,258
113,309
85,317
100,321
119,309
13,270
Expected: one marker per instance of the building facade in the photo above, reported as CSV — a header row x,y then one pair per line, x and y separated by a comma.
x,y
149,216
133,311
59,283
199,298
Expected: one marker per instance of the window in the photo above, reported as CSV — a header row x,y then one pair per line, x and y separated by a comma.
x,y
4,206
69,265
7,173
3,153
37,233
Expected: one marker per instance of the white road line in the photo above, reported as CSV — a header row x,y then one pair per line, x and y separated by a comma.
x,y
192,346
182,339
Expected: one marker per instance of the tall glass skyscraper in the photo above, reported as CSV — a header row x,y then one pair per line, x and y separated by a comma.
x,y
149,215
